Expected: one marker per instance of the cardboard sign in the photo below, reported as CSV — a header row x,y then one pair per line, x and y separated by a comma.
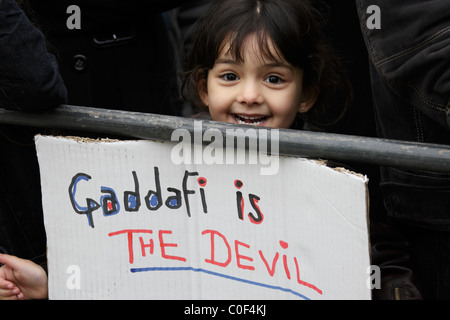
x,y
124,222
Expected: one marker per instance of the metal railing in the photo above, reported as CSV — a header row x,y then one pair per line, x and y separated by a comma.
x,y
338,147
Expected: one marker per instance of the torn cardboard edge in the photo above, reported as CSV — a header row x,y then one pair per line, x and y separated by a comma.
x,y
322,162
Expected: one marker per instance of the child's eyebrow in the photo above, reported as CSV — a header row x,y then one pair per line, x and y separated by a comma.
x,y
226,61
272,64
276,64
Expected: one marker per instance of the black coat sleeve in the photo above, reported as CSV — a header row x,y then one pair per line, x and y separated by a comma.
x,y
29,75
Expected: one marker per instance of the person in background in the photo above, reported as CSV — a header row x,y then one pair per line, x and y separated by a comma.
x,y
30,82
409,50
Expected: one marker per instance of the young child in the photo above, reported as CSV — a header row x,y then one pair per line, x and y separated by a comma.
x,y
257,62
265,63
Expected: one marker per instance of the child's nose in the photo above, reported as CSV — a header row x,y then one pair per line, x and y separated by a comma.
x,y
251,93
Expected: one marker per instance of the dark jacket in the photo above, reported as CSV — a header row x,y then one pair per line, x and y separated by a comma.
x,y
29,81
120,58
410,63
29,75
410,75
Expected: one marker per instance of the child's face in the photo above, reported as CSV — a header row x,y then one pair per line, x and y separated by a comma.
x,y
257,91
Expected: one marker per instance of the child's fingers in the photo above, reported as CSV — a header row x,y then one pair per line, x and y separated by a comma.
x,y
5,284
7,296
9,292
3,258
9,260
12,297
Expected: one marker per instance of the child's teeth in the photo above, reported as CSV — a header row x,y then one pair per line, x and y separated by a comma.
x,y
250,120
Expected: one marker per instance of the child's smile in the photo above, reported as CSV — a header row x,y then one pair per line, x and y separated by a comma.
x,y
256,120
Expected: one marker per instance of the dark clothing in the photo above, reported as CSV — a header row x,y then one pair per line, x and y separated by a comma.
x,y
22,230
29,76
121,58
410,73
29,81
136,73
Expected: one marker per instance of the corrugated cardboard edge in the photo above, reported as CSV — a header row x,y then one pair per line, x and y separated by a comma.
x,y
108,140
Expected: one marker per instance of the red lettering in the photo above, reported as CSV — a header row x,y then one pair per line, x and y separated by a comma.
x,y
285,245
164,245
274,262
212,260
304,283
239,256
130,240
143,246
288,274
214,235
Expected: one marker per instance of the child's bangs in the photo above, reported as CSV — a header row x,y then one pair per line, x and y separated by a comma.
x,y
278,32
237,44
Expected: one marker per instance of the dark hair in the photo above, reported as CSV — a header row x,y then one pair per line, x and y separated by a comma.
x,y
294,26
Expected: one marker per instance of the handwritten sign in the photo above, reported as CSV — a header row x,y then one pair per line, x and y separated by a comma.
x,y
124,222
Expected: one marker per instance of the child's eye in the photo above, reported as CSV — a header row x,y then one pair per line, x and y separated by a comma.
x,y
229,77
272,79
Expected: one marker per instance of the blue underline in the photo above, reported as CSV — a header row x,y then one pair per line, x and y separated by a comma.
x,y
134,270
